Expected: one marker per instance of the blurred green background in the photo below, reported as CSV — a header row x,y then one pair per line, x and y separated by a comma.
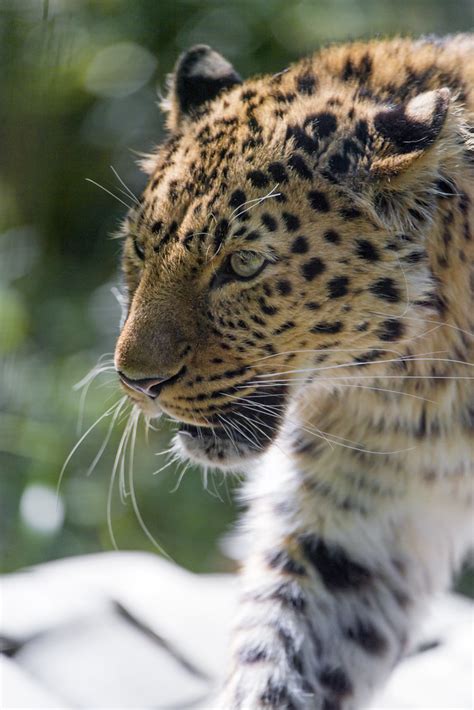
x,y
78,94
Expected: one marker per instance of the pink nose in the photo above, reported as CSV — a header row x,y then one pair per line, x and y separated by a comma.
x,y
151,386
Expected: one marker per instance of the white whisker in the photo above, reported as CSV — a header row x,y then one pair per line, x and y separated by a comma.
x,y
108,192
129,192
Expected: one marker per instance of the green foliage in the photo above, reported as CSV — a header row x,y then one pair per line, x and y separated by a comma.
x,y
77,95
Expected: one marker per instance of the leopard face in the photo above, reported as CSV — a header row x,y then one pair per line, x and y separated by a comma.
x,y
278,243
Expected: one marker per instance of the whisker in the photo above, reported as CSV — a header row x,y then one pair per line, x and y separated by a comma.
x,y
253,203
106,439
108,192
131,483
85,384
319,350
130,193
333,438
84,436
174,459
368,362
180,477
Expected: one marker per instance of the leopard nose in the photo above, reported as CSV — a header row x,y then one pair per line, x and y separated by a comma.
x,y
150,386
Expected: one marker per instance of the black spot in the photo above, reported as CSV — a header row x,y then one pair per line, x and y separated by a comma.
x,y
237,199
416,214
313,305
336,680
299,166
367,250
350,212
300,245
265,308
386,289
326,327
367,637
275,695
331,704
302,140
446,188
248,94
324,124
339,163
332,237
369,356
278,172
288,325
257,178
420,431
281,560
306,84
156,226
390,329
253,236
365,68
318,201
252,654
292,222
338,286
282,98
220,232
337,570
269,222
362,130
312,268
464,203
414,257
290,594
348,71
284,287
254,125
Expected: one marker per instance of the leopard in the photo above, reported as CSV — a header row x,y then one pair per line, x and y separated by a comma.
x,y
299,276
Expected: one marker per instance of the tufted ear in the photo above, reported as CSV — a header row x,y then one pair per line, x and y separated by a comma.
x,y
406,131
200,75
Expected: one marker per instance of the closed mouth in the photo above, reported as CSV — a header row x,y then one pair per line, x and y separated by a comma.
x,y
200,432
243,431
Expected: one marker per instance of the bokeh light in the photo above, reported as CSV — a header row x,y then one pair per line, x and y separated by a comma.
x,y
79,92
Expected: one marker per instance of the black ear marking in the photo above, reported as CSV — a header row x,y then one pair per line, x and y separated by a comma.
x,y
415,125
200,75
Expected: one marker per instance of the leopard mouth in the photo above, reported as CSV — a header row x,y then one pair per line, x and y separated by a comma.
x,y
242,434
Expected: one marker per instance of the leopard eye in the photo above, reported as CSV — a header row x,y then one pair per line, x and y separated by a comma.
x,y
246,264
139,251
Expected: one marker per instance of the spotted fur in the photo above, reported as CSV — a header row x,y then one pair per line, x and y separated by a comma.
x,y
339,373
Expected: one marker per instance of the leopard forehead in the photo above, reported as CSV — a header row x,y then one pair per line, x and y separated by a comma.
x,y
259,149
327,122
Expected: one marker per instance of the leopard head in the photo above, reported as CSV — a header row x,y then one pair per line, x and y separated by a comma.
x,y
280,240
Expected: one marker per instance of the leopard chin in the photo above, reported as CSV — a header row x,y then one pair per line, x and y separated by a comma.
x,y
216,447
233,441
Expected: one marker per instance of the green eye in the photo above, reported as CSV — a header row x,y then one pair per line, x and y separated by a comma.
x,y
246,264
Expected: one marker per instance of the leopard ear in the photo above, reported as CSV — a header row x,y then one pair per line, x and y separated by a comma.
x,y
405,132
199,76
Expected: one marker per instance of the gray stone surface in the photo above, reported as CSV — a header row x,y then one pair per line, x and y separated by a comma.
x,y
131,630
